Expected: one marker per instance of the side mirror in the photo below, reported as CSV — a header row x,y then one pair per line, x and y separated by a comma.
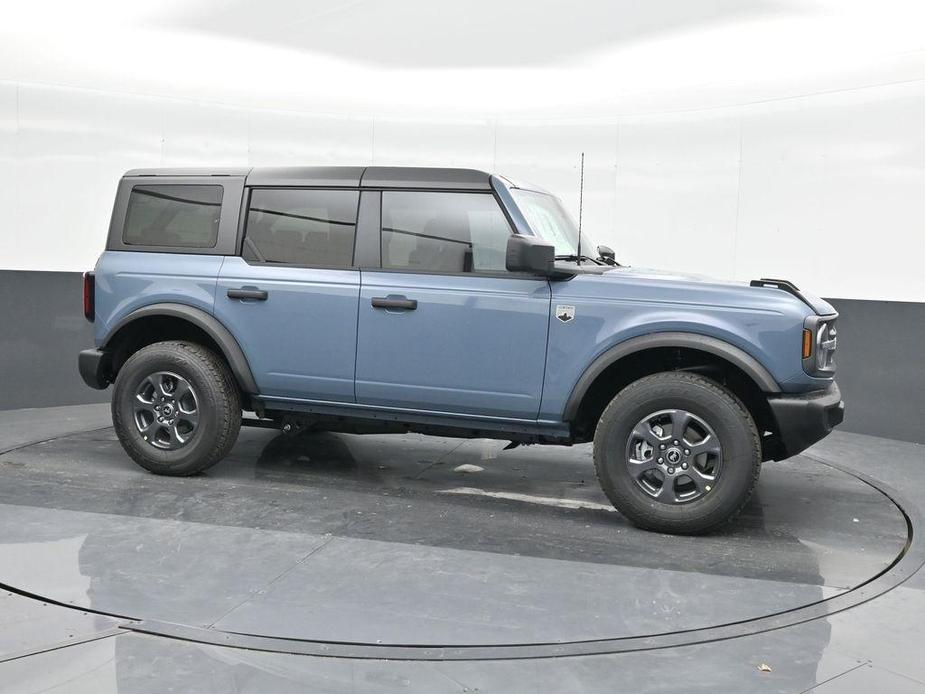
x,y
606,254
530,254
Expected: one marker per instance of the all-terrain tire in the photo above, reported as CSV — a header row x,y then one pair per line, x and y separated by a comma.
x,y
217,398
716,406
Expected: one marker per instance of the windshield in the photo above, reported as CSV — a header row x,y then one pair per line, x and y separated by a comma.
x,y
549,220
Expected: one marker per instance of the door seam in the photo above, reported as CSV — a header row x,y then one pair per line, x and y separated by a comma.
x,y
546,351
356,341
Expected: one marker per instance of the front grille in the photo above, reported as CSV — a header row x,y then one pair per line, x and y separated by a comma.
x,y
826,343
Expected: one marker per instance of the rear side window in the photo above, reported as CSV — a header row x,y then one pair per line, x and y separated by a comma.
x,y
301,227
184,216
443,232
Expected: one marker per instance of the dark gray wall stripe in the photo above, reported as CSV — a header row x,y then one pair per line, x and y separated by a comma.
x,y
880,366
43,329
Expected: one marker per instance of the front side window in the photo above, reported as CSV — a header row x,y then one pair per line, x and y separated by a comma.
x,y
443,232
301,227
184,216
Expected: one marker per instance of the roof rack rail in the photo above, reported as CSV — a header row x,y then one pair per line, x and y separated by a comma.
x,y
783,285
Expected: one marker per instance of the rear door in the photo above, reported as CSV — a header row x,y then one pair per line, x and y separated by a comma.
x,y
442,325
291,298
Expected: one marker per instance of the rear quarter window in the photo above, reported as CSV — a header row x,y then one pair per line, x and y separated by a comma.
x,y
181,216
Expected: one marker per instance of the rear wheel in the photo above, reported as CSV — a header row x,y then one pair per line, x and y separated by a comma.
x,y
677,453
176,408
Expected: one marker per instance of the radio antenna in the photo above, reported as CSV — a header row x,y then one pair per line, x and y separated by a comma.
x,y
581,193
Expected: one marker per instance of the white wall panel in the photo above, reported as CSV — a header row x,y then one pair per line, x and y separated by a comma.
x,y
73,145
196,133
826,190
676,191
9,230
297,139
832,193
413,142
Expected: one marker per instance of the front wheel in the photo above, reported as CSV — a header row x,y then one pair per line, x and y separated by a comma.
x,y
176,408
677,453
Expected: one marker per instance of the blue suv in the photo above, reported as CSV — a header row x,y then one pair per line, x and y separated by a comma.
x,y
449,302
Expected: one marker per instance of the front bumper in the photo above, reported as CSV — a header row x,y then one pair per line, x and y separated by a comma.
x,y
806,418
94,367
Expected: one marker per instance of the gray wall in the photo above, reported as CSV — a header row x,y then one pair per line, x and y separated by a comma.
x,y
43,329
880,365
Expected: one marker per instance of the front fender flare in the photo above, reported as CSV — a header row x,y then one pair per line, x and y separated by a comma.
x,y
208,324
747,363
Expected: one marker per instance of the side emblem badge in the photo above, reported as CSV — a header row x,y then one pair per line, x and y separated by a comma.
x,y
565,313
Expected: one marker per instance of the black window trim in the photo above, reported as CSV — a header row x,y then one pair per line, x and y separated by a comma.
x,y
225,243
379,190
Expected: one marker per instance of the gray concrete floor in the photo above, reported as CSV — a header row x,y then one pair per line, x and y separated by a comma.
x,y
379,542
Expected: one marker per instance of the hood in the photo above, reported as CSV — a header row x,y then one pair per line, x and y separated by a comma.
x,y
652,273
819,306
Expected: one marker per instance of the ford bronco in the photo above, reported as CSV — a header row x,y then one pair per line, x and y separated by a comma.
x,y
449,302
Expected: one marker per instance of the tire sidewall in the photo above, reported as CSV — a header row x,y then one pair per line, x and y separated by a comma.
x,y
724,414
139,366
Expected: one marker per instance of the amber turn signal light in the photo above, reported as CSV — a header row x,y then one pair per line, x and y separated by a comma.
x,y
807,344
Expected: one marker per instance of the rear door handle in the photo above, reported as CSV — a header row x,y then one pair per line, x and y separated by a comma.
x,y
256,294
385,302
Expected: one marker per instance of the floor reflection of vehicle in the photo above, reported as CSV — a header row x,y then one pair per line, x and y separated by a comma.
x,y
311,452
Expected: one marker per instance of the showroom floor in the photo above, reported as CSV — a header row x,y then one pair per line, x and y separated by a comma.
x,y
329,562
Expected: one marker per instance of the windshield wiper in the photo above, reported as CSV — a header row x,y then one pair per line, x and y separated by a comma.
x,y
572,258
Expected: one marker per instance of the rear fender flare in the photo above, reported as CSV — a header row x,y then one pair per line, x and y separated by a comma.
x,y
207,323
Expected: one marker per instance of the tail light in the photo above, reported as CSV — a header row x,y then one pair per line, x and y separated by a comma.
x,y
89,296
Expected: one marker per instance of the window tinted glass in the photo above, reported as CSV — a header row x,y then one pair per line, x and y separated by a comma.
x,y
443,232
173,215
549,220
305,227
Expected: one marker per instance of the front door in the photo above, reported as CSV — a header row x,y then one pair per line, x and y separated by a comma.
x,y
291,300
443,327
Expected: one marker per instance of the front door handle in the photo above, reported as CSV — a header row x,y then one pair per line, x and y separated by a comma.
x,y
386,302
245,293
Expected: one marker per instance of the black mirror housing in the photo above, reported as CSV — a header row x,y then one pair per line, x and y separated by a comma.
x,y
607,254
530,254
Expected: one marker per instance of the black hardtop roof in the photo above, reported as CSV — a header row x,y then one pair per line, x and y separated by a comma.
x,y
340,176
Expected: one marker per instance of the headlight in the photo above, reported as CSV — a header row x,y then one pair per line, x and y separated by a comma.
x,y
820,339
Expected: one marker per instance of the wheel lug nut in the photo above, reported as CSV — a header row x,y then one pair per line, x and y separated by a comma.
x,y
686,452
662,447
661,460
675,442
684,466
671,471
